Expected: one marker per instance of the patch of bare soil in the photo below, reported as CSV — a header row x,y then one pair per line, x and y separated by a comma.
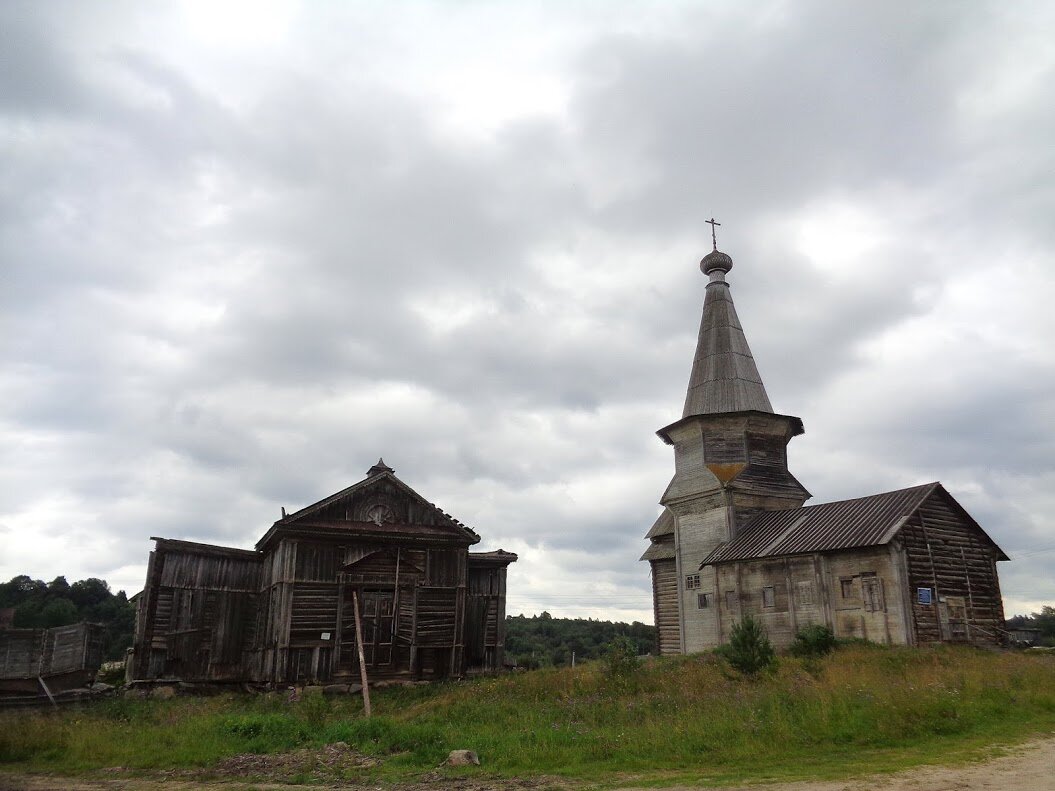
x,y
1030,767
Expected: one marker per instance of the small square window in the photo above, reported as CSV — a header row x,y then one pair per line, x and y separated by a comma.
x,y
923,595
703,600
692,582
769,596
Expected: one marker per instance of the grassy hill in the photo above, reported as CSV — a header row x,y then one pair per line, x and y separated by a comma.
x,y
861,709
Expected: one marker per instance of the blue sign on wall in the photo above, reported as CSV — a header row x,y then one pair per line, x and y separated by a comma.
x,y
923,595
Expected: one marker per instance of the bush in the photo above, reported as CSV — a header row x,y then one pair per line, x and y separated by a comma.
x,y
749,649
620,660
813,641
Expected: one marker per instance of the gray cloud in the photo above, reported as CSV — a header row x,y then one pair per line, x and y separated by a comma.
x,y
236,274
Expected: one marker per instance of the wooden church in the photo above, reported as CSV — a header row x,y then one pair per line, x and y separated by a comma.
x,y
286,611
735,538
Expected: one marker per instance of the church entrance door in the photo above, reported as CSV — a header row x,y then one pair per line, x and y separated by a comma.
x,y
376,613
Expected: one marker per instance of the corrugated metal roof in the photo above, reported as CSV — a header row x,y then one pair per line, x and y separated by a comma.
x,y
863,522
724,377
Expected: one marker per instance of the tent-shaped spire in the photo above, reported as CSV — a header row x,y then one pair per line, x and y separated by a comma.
x,y
724,377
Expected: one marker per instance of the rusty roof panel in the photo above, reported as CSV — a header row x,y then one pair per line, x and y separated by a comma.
x,y
846,524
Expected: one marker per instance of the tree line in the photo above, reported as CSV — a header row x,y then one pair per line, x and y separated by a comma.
x,y
1044,621
42,605
545,641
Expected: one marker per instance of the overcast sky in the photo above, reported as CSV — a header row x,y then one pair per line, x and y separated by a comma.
x,y
246,248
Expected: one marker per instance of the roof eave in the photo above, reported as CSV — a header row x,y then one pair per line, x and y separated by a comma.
x,y
796,422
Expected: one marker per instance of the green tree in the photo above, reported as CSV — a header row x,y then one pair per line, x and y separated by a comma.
x,y
749,649
59,587
91,591
58,612
1045,621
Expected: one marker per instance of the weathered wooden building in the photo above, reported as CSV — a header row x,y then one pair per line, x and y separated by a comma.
x,y
285,611
49,661
735,538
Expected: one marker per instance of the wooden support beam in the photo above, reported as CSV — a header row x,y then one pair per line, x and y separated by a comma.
x,y
362,656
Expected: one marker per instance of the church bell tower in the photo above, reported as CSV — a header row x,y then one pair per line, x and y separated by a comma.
x,y
730,463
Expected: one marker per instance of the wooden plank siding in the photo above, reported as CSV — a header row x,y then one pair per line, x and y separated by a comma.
x,y
64,656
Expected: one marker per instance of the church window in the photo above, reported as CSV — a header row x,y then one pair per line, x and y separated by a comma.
x,y
703,601
769,596
804,593
692,581
872,592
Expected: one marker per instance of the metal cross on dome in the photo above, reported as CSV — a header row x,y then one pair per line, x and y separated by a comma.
x,y
714,239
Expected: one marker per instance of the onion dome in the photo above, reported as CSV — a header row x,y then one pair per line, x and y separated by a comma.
x,y
716,260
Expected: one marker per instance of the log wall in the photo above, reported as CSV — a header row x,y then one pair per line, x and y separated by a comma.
x,y
665,605
947,555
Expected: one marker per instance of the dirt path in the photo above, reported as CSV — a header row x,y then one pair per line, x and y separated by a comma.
x,y
1028,767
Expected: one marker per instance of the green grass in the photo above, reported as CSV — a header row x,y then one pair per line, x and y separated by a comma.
x,y
862,709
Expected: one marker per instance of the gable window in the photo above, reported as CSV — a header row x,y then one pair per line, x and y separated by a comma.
x,y
769,596
703,601
692,581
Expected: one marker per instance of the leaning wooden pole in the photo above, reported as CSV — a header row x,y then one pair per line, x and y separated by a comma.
x,y
362,656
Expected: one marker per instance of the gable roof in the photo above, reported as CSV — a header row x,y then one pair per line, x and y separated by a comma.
x,y
378,474
845,524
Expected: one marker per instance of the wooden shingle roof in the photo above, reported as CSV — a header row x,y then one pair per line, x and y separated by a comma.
x,y
724,377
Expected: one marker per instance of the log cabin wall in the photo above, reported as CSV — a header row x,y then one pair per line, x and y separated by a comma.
x,y
665,606
950,565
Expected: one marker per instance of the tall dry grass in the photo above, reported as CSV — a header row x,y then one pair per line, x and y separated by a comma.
x,y
864,707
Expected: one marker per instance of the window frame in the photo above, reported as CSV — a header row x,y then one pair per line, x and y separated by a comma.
x,y
769,597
